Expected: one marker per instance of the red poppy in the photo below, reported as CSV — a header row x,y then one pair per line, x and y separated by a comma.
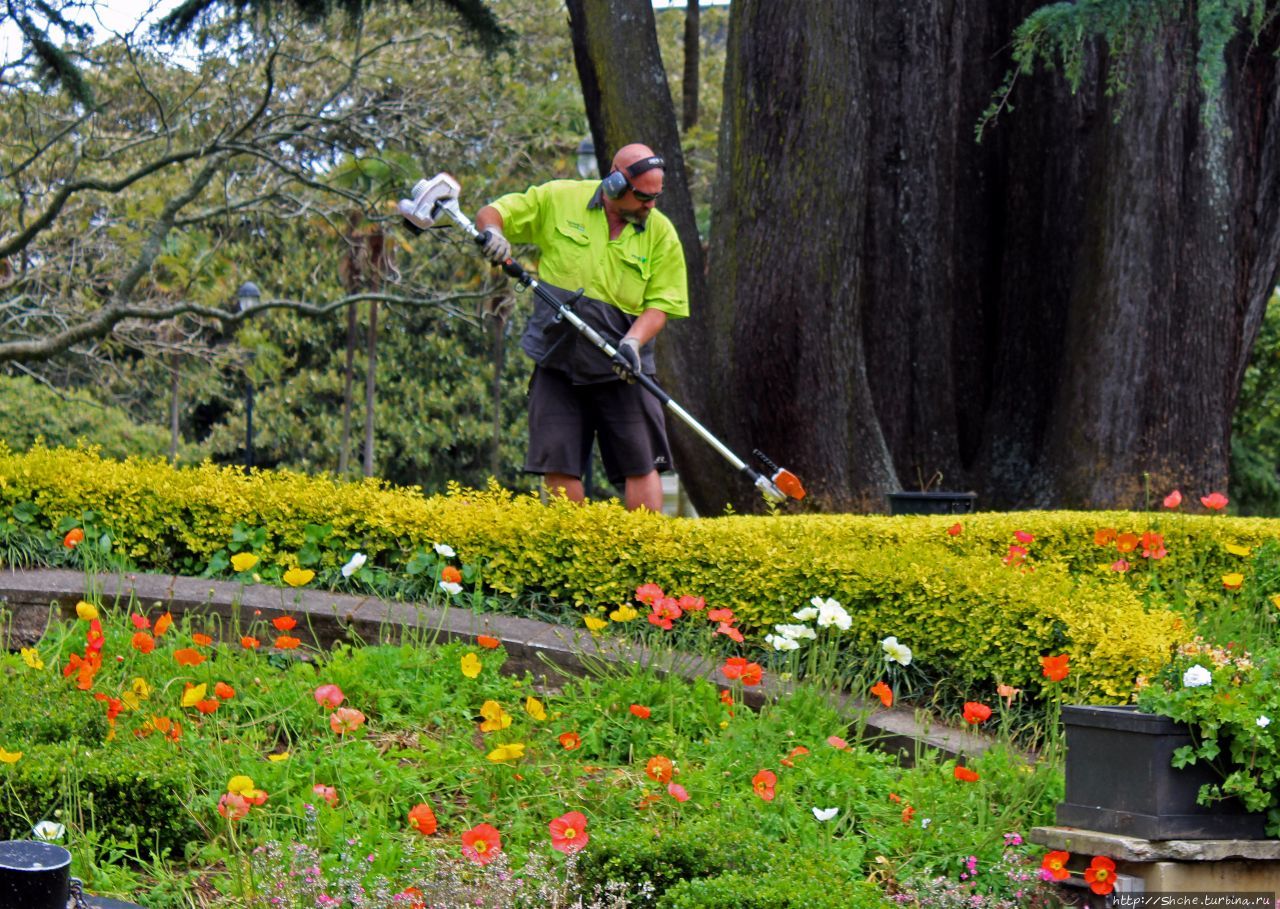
x,y
730,632
1120,565
798,751
678,792
1055,864
955,529
208,705
346,719
726,696
327,794
249,643
140,622
1214,501
422,819
569,832
224,691
1101,875
894,797
284,623
648,593
763,783
1153,545
285,642
965,775
451,575
691,604
481,844
74,537
838,743
883,692
188,657
329,696
1173,499
232,806
907,814
1022,536
640,711
416,898
719,615
570,741
659,769
487,642
143,642
202,639
975,713
1054,668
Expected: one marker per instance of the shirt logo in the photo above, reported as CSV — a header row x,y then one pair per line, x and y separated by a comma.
x,y
580,228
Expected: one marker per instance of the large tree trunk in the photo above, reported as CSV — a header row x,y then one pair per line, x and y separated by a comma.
x,y
1045,317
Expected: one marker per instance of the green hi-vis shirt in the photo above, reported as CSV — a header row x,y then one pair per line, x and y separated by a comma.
x,y
642,269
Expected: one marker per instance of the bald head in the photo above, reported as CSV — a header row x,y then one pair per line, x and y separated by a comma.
x,y
630,154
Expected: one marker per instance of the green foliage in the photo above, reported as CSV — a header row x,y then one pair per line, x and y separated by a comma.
x,y
31,411
1255,435
811,884
1066,34
135,797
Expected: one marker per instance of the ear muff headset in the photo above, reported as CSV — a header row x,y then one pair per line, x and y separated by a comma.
x,y
619,181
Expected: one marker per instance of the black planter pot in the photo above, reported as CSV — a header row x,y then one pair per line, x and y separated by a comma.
x,y
1120,780
37,875
932,502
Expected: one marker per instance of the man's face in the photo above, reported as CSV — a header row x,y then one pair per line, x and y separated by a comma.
x,y
635,204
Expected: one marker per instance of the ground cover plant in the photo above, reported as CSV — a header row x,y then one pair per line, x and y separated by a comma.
x,y
199,763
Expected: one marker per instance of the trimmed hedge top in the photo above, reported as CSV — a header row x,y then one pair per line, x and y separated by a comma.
x,y
954,589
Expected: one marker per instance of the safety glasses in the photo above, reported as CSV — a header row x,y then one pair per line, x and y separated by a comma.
x,y
644,197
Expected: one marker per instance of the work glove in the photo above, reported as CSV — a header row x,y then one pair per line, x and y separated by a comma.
x,y
629,355
495,246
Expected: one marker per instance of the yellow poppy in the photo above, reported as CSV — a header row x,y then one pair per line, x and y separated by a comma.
x,y
471,665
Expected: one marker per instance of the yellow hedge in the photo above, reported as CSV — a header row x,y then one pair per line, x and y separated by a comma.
x,y
952,598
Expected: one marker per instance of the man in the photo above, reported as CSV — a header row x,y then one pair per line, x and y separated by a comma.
x,y
607,238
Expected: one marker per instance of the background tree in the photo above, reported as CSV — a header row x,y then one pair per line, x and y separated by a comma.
x,y
892,299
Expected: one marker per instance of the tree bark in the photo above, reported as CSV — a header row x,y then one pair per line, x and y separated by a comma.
x,y
691,84
1059,316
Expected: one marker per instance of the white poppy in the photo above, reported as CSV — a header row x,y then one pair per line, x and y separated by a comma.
x,y
895,652
832,613
796,632
1263,722
48,831
451,588
355,564
778,642
808,614
825,814
444,549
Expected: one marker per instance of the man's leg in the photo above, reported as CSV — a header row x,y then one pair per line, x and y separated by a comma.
x,y
561,484
644,492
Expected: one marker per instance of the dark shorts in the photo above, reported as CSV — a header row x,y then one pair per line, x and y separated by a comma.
x,y
627,422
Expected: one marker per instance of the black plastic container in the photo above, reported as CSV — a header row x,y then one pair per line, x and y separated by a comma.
x,y
932,502
34,875
1120,780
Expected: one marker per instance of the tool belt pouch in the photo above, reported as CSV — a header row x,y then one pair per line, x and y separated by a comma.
x,y
554,343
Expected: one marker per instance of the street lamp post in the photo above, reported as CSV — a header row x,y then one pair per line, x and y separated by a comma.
x,y
248,295
588,167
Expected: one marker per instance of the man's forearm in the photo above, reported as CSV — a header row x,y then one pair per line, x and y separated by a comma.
x,y
647,325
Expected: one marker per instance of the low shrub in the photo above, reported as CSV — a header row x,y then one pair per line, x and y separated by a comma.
x,y
811,884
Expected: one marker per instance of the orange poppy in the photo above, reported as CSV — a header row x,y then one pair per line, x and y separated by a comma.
x,y
1104,537
140,622
907,814
570,741
796,752
1101,875
641,711
487,642
422,819
74,537
451,575
883,692
163,623
249,643
659,769
763,782
224,691
955,529
208,705
202,639
1055,864
1127,542
143,642
188,657
965,775
285,642
284,623
1054,668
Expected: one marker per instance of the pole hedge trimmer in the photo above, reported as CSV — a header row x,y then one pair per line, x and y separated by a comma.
x,y
439,196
